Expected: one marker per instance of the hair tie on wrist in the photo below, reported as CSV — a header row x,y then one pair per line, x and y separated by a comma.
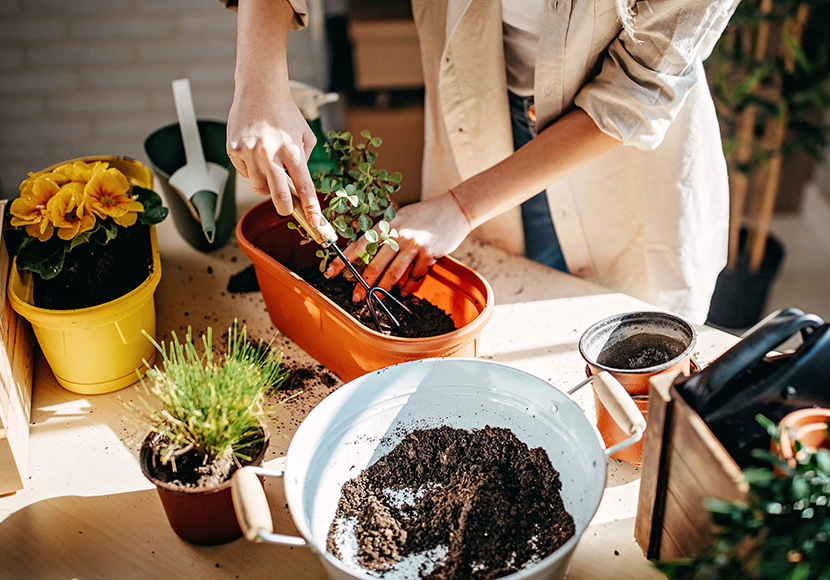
x,y
461,207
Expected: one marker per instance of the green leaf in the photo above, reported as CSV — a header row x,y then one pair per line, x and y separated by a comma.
x,y
823,460
365,133
392,244
43,258
365,257
364,223
154,211
81,239
376,141
372,248
390,213
384,227
395,177
365,168
372,236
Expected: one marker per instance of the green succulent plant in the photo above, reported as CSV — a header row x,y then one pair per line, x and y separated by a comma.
x,y
356,194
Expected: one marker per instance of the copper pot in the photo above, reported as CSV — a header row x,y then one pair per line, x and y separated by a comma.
x,y
633,347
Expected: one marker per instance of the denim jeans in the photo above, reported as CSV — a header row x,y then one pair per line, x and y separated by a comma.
x,y
541,243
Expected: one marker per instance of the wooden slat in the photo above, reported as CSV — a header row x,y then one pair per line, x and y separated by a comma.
x,y
683,464
648,524
16,372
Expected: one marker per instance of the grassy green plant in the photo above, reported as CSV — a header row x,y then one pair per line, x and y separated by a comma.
x,y
207,403
356,194
781,533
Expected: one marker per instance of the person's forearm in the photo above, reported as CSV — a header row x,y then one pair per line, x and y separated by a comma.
x,y
262,33
562,148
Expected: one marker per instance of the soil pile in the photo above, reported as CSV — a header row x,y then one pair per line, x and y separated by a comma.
x,y
454,505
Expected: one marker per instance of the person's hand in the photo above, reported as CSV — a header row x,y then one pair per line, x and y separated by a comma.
x,y
427,231
267,136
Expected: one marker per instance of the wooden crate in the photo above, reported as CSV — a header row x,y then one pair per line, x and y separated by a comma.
x,y
683,464
16,368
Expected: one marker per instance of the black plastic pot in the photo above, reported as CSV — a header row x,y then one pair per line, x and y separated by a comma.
x,y
740,295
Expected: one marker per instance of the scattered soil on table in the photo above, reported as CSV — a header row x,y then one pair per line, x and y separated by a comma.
x,y
483,501
94,274
303,376
426,318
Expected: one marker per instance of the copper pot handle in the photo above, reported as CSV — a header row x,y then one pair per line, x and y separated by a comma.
x,y
622,409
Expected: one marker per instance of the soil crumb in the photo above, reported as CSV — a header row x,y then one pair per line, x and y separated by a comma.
x,y
306,376
450,504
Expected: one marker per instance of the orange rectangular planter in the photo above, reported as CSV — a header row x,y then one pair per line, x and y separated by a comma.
x,y
326,332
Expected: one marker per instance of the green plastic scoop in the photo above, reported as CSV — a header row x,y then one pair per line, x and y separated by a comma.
x,y
198,182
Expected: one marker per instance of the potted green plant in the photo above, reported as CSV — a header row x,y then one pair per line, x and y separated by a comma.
x,y
782,531
206,416
769,76
86,268
356,196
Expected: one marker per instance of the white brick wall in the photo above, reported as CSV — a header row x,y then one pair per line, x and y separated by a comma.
x,y
92,77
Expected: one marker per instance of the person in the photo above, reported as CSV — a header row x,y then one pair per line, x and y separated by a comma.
x,y
600,105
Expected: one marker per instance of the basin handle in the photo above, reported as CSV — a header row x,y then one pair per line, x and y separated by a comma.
x,y
252,509
621,408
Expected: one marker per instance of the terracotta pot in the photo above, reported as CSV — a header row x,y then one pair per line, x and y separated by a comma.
x,y
202,516
617,344
809,426
329,334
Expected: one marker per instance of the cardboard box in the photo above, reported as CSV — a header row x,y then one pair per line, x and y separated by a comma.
x,y
402,131
16,371
386,54
683,464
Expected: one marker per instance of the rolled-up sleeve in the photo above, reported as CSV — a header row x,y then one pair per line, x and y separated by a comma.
x,y
300,11
643,82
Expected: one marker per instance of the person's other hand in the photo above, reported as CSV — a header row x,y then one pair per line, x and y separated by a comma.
x,y
267,136
427,231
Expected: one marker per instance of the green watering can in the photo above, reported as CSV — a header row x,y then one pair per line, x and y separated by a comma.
x,y
196,174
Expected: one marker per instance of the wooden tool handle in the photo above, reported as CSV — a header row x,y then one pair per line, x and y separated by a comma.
x,y
323,234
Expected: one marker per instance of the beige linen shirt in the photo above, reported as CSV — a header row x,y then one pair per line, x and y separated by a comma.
x,y
650,218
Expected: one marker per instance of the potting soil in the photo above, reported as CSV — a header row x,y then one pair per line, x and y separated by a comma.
x,y
93,274
449,504
426,318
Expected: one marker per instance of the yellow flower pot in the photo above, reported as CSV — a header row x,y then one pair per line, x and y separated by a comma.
x,y
98,349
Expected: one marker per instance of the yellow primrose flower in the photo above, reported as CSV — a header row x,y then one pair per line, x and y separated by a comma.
x,y
108,195
81,171
31,208
68,212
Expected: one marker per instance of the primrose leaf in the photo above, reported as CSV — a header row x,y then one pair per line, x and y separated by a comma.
x,y
42,258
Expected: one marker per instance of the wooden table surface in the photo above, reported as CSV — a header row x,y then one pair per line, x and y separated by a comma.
x,y
88,513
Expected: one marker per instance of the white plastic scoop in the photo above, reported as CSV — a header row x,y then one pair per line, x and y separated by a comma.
x,y
199,182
